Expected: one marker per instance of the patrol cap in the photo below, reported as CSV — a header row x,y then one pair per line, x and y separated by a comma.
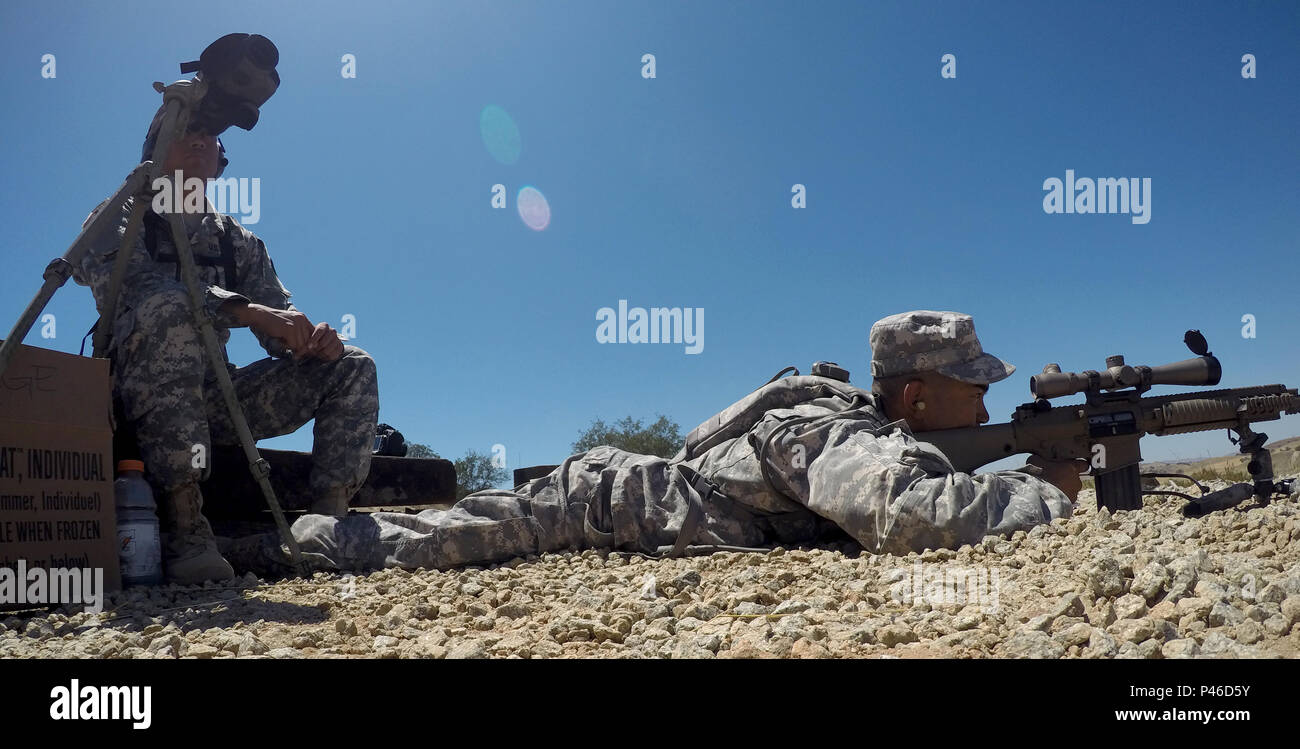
x,y
151,138
927,341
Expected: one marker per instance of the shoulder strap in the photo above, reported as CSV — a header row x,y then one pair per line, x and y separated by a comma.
x,y
151,234
231,269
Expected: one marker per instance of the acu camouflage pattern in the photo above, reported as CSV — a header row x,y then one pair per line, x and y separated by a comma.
x,y
165,383
926,341
842,461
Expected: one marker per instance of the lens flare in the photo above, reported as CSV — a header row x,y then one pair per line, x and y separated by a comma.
x,y
533,208
499,133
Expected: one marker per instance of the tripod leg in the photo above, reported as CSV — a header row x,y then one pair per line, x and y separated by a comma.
x,y
124,251
56,274
58,271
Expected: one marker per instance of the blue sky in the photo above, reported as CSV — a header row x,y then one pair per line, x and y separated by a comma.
x,y
922,192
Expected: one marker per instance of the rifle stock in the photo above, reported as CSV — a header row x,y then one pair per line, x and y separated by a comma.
x,y
972,447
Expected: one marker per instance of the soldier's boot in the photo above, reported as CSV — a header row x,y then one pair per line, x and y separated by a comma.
x,y
331,502
189,549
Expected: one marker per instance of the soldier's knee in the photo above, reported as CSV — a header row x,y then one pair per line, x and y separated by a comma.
x,y
356,352
359,360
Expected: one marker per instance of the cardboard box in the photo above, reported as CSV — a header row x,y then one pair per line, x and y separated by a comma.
x,y
56,465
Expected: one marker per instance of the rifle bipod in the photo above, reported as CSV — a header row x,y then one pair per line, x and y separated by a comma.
x,y
1260,468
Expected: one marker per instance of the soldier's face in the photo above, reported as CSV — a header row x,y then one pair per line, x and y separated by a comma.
x,y
196,155
951,404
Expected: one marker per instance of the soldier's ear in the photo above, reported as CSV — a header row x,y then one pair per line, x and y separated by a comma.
x,y
913,391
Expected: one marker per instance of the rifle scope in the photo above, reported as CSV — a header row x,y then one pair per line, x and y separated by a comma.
x,y
1200,371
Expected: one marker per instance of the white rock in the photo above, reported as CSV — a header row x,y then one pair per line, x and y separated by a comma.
x,y
1130,606
1223,615
1033,644
1181,648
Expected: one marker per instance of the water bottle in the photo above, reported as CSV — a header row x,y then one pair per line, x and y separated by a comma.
x,y
138,544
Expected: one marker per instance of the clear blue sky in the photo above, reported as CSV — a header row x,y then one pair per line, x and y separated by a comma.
x,y
922,192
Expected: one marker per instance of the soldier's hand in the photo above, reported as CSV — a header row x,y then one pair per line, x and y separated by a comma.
x,y
290,326
325,343
1063,474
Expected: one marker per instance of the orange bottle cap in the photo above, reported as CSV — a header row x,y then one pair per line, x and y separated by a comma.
x,y
130,465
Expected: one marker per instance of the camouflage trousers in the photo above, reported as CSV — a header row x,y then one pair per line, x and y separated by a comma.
x,y
170,395
604,498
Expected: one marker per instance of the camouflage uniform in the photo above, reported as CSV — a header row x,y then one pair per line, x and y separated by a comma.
x,y
835,459
164,380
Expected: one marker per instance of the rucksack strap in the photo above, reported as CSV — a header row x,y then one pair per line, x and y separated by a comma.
x,y
227,243
707,491
88,334
694,513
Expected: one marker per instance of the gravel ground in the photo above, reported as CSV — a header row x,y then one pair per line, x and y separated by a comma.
x,y
1148,584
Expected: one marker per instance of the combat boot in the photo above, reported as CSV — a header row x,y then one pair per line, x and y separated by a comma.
x,y
331,502
189,549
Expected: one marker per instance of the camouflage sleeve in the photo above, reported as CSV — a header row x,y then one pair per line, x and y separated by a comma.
x,y
96,264
259,283
895,494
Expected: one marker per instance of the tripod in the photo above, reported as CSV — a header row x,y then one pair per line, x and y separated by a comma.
x,y
180,99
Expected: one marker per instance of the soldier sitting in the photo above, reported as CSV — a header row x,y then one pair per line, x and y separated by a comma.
x,y
164,384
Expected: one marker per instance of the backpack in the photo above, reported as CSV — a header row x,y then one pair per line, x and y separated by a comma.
x,y
389,441
827,381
